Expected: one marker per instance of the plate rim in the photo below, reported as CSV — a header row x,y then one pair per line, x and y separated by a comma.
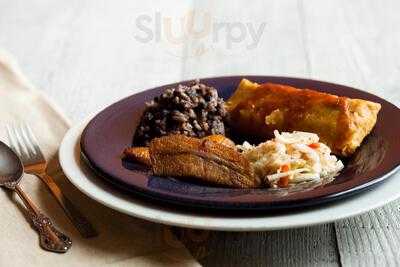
x,y
69,156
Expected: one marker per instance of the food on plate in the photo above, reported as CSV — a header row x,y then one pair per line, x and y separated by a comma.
x,y
193,110
205,160
182,134
218,138
340,122
142,154
139,154
289,158
292,158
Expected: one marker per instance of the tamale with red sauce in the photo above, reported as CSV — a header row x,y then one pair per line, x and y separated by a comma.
x,y
341,122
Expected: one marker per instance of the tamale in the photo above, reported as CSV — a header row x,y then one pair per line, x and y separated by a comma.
x,y
341,122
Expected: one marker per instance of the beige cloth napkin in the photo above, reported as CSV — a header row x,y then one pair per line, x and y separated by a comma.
x,y
123,240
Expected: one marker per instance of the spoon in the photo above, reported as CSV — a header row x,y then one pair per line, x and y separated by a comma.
x,y
11,172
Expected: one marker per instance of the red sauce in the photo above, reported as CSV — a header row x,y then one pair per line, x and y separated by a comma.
x,y
298,106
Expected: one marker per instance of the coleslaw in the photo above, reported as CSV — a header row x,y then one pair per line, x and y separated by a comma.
x,y
292,158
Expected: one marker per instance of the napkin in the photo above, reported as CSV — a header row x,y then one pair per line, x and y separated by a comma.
x,y
122,240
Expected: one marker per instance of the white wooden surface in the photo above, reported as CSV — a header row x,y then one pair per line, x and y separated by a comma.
x,y
84,55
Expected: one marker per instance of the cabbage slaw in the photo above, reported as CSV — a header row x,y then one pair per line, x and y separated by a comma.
x,y
292,158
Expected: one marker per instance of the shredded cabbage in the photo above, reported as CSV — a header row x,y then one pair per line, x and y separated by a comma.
x,y
304,157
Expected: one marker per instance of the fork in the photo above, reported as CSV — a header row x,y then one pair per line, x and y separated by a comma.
x,y
24,143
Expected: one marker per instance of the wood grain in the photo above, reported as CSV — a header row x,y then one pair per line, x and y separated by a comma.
x,y
84,55
300,247
354,43
371,239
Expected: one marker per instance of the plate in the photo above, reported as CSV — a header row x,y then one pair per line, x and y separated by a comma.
x,y
96,188
109,132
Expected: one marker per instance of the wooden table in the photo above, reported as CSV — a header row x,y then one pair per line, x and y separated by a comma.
x,y
88,54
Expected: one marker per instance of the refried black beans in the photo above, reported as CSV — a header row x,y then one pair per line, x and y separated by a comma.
x,y
193,110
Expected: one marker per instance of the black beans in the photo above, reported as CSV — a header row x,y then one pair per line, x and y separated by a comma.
x,y
179,116
193,110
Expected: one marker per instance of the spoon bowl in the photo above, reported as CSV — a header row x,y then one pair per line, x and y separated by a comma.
x,y
11,168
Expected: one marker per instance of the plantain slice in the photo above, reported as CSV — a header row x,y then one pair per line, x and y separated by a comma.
x,y
202,159
139,154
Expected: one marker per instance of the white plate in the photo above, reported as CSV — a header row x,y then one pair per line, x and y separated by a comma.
x,y
84,179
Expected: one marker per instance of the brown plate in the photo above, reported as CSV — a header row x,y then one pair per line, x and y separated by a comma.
x,y
108,133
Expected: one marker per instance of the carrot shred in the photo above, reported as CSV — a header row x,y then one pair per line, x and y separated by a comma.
x,y
285,168
283,181
314,145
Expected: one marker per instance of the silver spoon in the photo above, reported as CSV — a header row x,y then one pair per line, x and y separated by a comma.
x,y
11,172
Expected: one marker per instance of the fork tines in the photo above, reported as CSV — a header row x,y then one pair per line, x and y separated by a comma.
x,y
24,143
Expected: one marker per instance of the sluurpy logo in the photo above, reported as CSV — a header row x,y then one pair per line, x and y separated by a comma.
x,y
196,33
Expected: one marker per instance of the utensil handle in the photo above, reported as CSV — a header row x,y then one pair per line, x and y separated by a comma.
x,y
80,222
51,239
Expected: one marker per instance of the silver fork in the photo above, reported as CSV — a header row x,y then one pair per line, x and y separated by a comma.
x,y
24,143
